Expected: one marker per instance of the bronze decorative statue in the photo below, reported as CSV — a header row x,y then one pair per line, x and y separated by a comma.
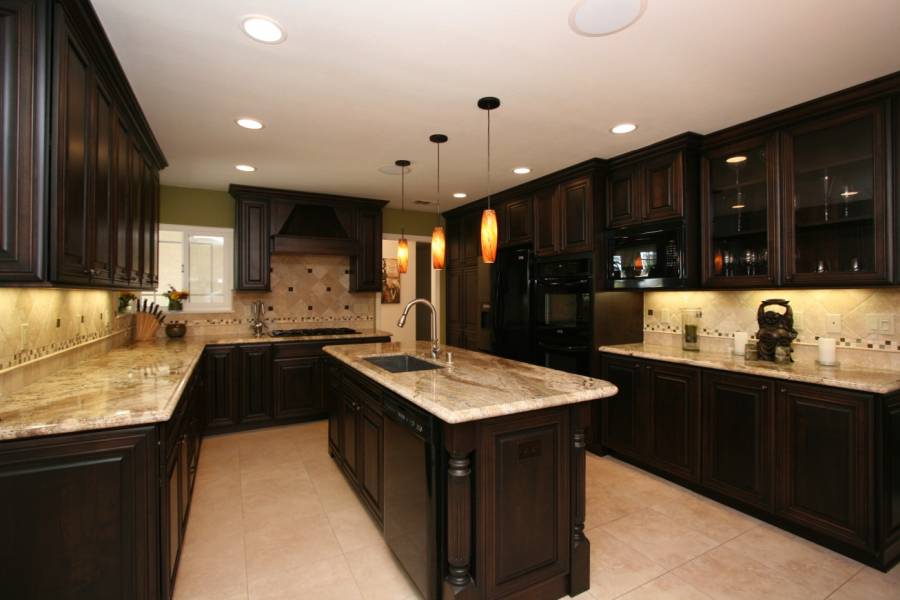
x,y
776,329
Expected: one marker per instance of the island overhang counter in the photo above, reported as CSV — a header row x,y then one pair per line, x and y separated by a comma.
x,y
508,451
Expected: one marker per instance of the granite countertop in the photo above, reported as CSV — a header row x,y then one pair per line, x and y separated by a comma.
x,y
136,384
852,378
476,386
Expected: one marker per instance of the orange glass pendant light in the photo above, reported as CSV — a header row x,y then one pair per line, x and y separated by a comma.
x,y
403,244
438,241
488,217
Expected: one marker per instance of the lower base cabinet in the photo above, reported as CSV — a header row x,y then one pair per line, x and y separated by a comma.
x,y
356,434
820,461
298,387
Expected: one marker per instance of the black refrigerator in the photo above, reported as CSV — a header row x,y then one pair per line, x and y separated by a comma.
x,y
511,305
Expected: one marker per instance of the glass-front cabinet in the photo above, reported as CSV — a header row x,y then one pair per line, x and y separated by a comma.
x,y
835,205
740,232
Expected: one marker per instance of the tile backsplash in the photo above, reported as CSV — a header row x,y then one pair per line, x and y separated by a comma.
x,y
307,290
815,311
35,323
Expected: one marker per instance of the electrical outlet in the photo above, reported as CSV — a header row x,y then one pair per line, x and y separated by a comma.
x,y
833,323
798,320
23,336
665,316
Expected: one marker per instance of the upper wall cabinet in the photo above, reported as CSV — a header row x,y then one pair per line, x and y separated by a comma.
x,y
23,115
101,186
272,221
515,221
835,210
564,217
740,214
653,184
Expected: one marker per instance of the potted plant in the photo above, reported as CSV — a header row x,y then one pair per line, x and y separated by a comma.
x,y
125,301
176,298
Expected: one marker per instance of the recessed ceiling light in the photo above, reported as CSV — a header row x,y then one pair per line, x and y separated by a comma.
x,y
521,170
602,17
623,128
736,159
248,123
459,195
263,29
245,168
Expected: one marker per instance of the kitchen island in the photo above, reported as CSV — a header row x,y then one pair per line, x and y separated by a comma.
x,y
506,441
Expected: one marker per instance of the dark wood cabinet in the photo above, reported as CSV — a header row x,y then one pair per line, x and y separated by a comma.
x,y
67,217
739,205
738,437
621,198
471,239
365,266
563,217
350,434
653,184
255,374
252,245
835,208
82,517
71,187
824,444
889,491
623,414
673,419
221,382
371,448
516,221
464,295
546,222
298,387
23,98
662,187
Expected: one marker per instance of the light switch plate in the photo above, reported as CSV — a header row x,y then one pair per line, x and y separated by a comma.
x,y
833,323
880,323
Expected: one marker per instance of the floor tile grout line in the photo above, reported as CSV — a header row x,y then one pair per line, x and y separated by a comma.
x,y
846,581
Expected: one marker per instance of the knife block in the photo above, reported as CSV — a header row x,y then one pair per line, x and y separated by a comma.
x,y
145,326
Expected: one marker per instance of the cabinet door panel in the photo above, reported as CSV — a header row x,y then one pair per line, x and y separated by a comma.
x,y
471,238
662,191
122,204
298,387
255,373
350,435
80,516
621,426
673,404
221,386
453,236
22,106
136,210
253,245
517,221
372,450
824,441
469,297
454,291
365,268
101,226
576,206
71,214
546,221
737,437
150,223
621,199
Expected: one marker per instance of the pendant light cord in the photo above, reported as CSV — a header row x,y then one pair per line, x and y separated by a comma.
x,y
438,187
402,200
489,161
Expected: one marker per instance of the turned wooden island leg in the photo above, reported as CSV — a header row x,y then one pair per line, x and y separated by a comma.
x,y
580,574
458,585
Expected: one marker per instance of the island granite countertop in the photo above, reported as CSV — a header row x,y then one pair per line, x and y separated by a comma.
x,y
476,385
137,384
853,378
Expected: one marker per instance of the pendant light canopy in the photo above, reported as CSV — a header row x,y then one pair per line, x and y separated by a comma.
x,y
403,244
438,240
488,217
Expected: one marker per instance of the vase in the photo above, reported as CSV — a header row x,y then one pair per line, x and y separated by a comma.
x,y
176,305
176,330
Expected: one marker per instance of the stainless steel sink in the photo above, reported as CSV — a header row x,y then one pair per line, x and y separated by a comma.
x,y
402,363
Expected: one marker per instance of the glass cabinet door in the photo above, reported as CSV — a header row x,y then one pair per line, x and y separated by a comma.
x,y
739,236
835,204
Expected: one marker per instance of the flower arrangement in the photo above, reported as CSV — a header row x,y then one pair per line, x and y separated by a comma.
x,y
125,301
176,298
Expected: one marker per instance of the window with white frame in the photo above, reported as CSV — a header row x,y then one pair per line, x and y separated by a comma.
x,y
199,260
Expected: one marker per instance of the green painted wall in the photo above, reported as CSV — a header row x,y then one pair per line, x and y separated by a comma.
x,y
191,206
415,222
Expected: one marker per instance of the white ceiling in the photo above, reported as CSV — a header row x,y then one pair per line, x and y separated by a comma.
x,y
361,83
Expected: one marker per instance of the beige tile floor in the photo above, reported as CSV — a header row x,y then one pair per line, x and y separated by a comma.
x,y
273,518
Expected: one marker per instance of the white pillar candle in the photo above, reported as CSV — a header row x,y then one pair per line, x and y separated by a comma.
x,y
740,342
827,351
